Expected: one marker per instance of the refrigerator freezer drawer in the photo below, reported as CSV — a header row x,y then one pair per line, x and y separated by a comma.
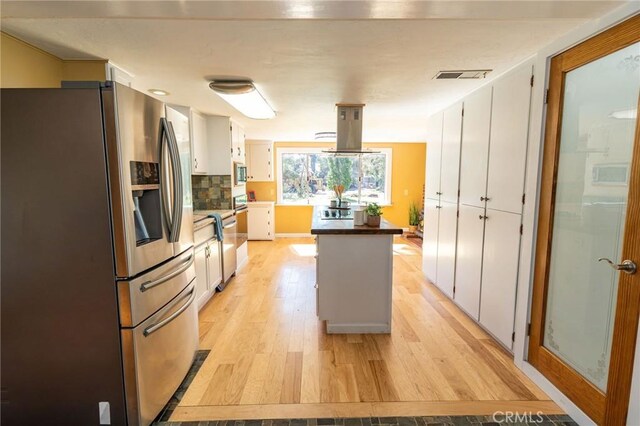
x,y
141,297
157,355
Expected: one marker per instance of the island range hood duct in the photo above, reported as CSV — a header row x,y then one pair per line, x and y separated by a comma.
x,y
349,131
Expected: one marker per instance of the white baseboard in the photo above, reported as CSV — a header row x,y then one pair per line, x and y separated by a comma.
x,y
293,235
358,328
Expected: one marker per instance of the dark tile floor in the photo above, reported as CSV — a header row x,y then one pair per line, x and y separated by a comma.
x,y
534,420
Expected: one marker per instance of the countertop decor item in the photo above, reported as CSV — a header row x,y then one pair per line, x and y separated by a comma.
x,y
374,211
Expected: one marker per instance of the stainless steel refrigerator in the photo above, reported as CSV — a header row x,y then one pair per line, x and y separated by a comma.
x,y
98,320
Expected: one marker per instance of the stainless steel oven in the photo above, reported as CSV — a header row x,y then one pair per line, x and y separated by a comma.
x,y
229,245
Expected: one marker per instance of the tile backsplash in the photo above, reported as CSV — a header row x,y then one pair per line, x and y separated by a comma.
x,y
211,192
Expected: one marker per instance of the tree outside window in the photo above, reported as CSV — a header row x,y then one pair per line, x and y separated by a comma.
x,y
309,177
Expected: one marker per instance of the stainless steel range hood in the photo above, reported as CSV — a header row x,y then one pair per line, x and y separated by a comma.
x,y
349,130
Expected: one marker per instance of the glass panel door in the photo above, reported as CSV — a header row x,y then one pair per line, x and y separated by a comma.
x,y
599,114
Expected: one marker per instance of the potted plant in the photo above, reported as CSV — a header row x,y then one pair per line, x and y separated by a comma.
x,y
374,211
414,218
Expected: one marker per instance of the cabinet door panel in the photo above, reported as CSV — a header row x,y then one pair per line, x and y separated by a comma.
x,y
447,231
430,240
475,147
258,223
260,162
201,273
199,149
500,273
509,135
469,259
434,155
450,168
213,265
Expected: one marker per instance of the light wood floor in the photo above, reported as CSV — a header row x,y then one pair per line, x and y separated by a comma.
x,y
270,356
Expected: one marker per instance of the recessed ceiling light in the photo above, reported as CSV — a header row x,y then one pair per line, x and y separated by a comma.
x,y
159,92
243,96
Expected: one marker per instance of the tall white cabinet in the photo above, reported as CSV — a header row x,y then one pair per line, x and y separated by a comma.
x,y
441,201
478,269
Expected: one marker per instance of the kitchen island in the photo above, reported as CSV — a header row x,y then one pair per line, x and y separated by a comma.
x,y
354,273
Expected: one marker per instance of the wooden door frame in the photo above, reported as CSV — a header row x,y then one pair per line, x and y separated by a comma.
x,y
610,408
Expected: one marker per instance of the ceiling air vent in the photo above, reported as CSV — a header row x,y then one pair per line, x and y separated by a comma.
x,y
461,74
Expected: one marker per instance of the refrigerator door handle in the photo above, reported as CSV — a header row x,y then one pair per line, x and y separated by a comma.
x,y
157,326
151,284
178,194
163,134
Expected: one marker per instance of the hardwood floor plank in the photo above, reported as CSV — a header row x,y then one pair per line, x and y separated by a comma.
x,y
360,409
292,383
383,381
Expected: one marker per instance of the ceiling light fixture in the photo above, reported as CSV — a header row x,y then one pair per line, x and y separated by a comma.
x,y
159,92
243,96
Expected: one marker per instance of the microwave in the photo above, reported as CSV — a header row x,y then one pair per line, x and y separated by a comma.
x,y
239,174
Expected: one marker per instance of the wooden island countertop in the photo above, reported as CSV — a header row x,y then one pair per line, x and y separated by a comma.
x,y
346,226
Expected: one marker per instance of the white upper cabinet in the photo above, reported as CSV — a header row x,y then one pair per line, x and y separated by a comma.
x,y
199,146
450,166
475,147
259,161
500,274
509,130
469,259
434,156
179,120
226,144
237,143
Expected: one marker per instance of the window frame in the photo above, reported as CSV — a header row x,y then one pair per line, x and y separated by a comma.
x,y
279,151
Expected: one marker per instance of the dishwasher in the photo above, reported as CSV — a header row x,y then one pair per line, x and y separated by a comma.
x,y
229,243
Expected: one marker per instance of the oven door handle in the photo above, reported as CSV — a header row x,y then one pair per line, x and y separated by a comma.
x,y
150,284
157,326
231,225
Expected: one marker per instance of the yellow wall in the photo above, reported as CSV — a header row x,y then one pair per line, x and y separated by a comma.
x,y
407,173
23,65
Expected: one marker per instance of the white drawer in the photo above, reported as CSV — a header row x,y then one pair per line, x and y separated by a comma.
x,y
203,232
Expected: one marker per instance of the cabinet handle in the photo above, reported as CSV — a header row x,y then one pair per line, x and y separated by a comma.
x,y
315,286
239,152
481,217
485,199
438,207
195,160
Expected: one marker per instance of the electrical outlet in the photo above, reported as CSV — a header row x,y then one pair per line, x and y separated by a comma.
x,y
406,192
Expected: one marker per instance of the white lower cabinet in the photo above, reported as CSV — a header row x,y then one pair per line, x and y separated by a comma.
x,y
469,261
447,233
430,239
208,270
201,274
261,220
500,274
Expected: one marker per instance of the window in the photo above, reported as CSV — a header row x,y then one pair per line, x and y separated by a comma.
x,y
308,176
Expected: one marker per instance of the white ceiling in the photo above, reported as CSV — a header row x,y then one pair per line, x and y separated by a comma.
x,y
303,66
